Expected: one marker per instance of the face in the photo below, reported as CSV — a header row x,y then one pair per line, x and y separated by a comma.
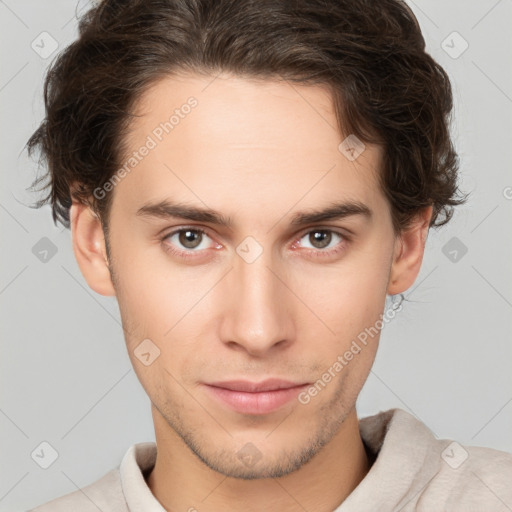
x,y
221,265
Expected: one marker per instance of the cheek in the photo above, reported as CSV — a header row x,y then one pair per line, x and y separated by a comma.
x,y
151,289
348,297
162,302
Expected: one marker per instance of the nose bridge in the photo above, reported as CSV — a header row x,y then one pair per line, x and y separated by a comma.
x,y
257,314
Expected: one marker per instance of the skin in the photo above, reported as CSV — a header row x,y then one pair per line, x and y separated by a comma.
x,y
258,152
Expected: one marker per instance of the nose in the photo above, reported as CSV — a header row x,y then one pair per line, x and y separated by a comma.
x,y
257,318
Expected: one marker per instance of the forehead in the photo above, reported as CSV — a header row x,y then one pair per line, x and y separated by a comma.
x,y
240,139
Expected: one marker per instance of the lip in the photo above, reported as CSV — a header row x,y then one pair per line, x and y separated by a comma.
x,y
255,397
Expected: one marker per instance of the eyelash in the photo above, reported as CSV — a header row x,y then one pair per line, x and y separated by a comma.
x,y
182,254
318,253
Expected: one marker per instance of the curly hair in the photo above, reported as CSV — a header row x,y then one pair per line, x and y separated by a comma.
x,y
371,55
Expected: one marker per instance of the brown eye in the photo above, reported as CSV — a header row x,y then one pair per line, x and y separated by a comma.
x,y
320,239
189,238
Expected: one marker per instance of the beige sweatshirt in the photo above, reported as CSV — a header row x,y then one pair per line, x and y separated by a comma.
x,y
413,471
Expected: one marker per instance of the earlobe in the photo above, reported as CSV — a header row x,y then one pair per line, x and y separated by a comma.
x,y
89,248
408,255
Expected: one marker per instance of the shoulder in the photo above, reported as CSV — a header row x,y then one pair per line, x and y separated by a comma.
x,y
461,477
415,470
120,490
104,494
470,477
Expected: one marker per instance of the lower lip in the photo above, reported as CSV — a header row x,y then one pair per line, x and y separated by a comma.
x,y
262,402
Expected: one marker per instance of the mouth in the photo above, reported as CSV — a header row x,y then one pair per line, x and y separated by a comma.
x,y
255,398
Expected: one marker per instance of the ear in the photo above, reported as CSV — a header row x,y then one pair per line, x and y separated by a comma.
x,y
408,255
89,248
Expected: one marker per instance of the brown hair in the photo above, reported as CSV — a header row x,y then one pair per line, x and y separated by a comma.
x,y
386,89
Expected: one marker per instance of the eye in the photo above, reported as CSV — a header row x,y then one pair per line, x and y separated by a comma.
x,y
188,239
321,239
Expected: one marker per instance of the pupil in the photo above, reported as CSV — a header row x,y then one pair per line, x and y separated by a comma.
x,y
190,239
320,239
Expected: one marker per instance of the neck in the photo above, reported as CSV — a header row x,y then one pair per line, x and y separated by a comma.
x,y
180,481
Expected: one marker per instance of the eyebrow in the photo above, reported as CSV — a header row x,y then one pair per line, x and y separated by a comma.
x,y
335,211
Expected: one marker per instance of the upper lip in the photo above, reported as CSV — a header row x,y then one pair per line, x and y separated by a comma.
x,y
253,387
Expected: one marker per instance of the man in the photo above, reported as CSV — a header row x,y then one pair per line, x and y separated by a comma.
x,y
252,180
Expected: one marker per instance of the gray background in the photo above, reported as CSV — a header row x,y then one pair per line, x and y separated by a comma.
x,y
65,376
